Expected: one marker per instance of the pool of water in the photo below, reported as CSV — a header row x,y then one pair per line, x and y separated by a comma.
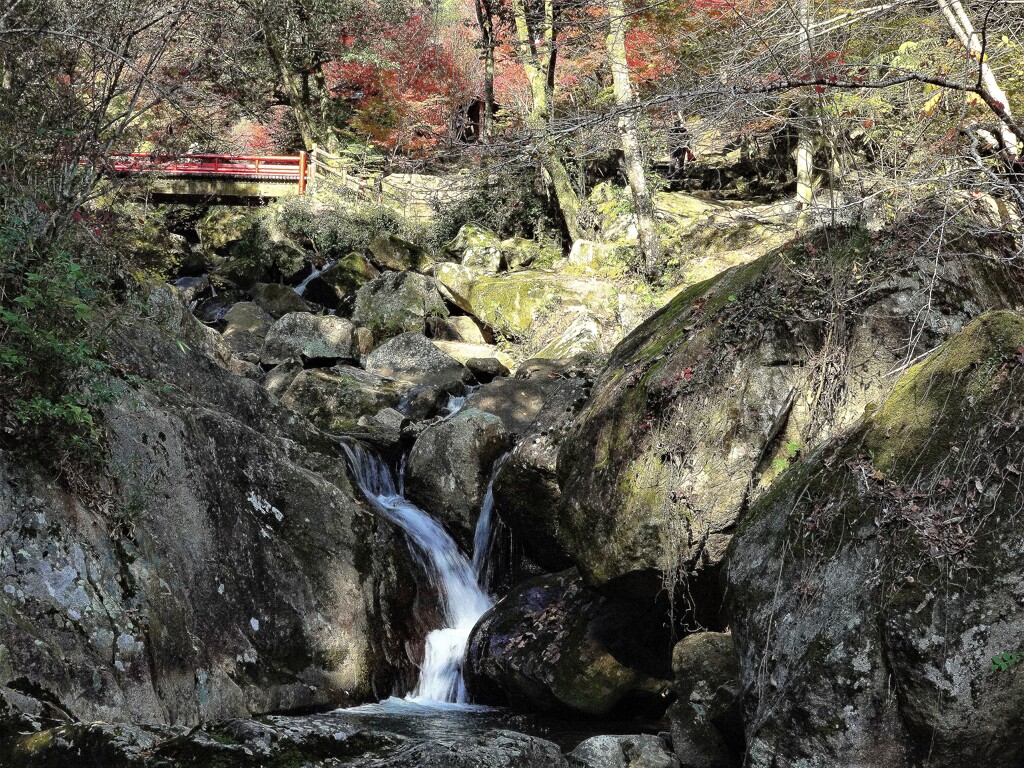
x,y
443,721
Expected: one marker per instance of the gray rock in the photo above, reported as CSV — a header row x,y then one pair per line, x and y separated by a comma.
x,y
886,572
412,357
245,328
486,369
302,335
707,718
642,751
336,398
398,302
340,281
450,465
553,644
389,252
228,571
277,299
703,405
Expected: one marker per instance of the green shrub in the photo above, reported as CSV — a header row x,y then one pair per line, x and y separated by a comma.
x,y
56,306
333,224
521,209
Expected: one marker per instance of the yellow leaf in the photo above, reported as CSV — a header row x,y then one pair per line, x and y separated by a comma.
x,y
932,104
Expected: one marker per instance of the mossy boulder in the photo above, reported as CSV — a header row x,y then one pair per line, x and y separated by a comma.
x,y
390,252
413,358
335,399
707,718
477,248
338,284
277,299
705,403
398,302
552,645
245,328
516,304
303,336
872,586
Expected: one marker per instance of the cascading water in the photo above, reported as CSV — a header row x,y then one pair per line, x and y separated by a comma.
x,y
483,536
463,601
301,287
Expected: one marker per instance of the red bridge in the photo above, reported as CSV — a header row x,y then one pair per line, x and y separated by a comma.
x,y
228,176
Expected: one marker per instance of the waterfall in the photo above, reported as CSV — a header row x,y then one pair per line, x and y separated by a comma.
x,y
301,287
483,536
450,571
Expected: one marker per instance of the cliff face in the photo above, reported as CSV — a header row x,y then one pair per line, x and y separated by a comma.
x,y
223,568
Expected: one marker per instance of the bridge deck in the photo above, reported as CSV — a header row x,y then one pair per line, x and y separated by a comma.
x,y
207,175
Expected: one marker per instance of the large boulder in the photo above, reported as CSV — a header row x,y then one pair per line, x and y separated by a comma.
x,y
226,570
302,335
872,586
552,644
389,252
516,304
277,299
704,404
707,718
398,302
337,284
526,489
477,248
449,468
641,751
335,399
245,328
413,358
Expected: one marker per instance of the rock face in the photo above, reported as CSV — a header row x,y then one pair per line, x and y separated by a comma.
x,y
449,468
301,335
411,357
398,302
704,404
553,644
336,398
707,724
477,248
643,751
872,586
227,570
316,741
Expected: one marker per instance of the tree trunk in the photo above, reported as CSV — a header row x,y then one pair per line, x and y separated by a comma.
x,y
964,30
292,84
537,57
485,18
805,139
632,157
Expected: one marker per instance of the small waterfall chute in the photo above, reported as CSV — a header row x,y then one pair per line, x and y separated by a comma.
x,y
450,571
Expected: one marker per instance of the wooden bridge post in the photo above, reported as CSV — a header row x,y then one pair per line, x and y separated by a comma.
x,y
302,172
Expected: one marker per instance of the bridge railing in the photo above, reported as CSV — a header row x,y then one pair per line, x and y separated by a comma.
x,y
257,167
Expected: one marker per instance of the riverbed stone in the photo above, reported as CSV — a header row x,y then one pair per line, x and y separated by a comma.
x,y
398,302
338,283
552,644
640,751
277,299
305,336
245,328
336,398
449,468
413,358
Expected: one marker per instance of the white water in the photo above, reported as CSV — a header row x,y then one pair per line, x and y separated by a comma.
x,y
483,535
463,601
301,287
